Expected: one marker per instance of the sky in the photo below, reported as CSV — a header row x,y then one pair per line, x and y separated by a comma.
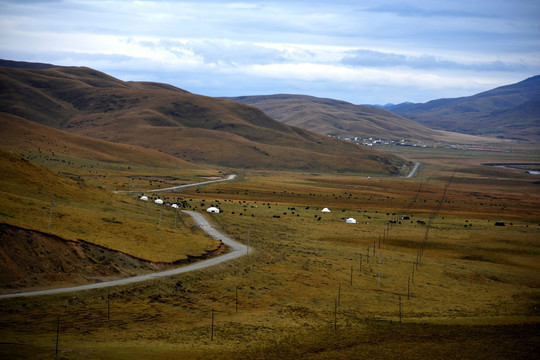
x,y
363,52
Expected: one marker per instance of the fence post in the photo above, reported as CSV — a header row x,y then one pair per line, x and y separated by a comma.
x,y
50,215
335,314
57,334
212,333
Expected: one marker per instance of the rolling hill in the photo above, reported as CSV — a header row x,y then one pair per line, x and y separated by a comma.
x,y
340,118
19,135
192,127
509,112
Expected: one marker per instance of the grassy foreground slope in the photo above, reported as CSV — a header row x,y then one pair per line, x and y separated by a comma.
x,y
86,213
451,284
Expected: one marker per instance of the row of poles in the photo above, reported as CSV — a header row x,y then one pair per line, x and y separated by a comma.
x,y
337,300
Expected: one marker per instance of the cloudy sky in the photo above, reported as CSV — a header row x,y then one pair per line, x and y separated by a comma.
x,y
364,52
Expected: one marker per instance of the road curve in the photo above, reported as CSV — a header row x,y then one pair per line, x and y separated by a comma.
x,y
237,250
413,171
175,188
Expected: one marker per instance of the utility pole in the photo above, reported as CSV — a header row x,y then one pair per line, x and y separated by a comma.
x,y
379,276
57,334
247,249
50,215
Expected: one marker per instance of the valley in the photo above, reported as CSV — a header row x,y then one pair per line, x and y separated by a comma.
x,y
442,263
311,286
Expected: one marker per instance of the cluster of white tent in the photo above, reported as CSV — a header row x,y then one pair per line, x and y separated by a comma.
x,y
211,209
348,221
215,210
157,201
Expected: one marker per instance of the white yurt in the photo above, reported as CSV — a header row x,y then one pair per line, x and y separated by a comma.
x,y
325,210
144,198
350,221
158,201
174,206
213,209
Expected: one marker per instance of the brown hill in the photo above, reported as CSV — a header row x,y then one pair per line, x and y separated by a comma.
x,y
509,112
201,129
340,118
23,136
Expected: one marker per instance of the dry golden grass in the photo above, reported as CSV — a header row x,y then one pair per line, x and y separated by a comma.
x,y
473,295
82,212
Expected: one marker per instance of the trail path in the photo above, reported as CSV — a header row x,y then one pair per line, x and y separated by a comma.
x,y
237,250
413,171
179,187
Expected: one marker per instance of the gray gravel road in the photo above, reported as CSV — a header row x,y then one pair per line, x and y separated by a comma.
x,y
237,250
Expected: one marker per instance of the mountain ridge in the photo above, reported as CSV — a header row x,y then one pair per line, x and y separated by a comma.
x,y
196,128
343,119
511,111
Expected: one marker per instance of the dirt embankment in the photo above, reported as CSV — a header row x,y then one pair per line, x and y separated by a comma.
x,y
35,260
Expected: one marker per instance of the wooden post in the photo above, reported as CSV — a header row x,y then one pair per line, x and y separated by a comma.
x,y
175,216
57,334
409,288
335,314
379,276
50,215
108,304
373,247
247,249
379,241
400,309
367,254
212,333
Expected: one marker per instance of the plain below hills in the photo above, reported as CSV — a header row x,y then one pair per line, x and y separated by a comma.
x,y
343,119
507,112
192,127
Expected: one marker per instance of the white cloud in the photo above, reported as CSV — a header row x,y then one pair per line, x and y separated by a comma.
x,y
342,49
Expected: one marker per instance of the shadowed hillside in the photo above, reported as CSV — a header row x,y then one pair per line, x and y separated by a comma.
x,y
335,117
159,116
340,118
509,112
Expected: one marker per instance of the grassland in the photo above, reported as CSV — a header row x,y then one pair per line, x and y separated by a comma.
x,y
451,283
83,210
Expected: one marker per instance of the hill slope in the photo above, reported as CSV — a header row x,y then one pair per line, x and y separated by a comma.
x,y
23,136
159,116
511,111
340,118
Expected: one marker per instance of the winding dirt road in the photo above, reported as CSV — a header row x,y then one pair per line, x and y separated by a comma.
x,y
237,250
413,171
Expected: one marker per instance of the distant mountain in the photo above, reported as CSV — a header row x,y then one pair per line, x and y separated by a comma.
x,y
509,112
390,106
340,118
195,128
